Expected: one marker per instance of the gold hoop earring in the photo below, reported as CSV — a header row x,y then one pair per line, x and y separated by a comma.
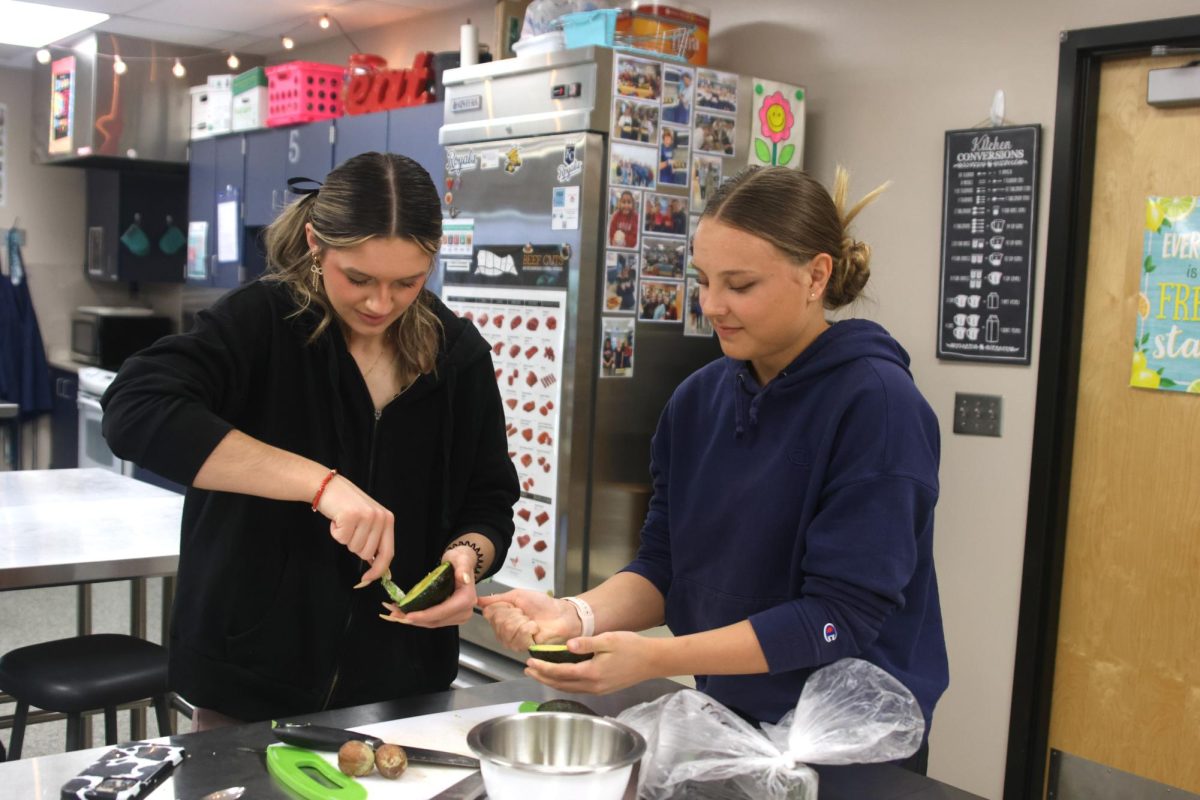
x,y
315,271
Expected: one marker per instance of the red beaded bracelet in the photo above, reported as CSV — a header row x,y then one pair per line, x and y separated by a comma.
x,y
321,488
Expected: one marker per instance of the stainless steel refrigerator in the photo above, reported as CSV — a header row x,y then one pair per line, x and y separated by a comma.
x,y
573,181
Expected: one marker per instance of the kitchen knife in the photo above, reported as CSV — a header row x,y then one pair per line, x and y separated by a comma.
x,y
469,788
322,737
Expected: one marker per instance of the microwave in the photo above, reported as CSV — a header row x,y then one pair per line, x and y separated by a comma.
x,y
104,336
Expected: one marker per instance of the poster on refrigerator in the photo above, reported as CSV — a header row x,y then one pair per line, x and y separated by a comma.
x,y
525,329
777,125
62,105
1166,345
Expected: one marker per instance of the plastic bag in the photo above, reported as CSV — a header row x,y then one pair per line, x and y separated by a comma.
x,y
541,15
850,712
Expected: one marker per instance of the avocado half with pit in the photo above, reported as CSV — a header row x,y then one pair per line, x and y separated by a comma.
x,y
557,654
431,590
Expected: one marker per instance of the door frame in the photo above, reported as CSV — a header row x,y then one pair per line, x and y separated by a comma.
x,y
1080,55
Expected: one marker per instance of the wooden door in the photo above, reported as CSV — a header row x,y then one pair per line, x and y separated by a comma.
x,y
1127,676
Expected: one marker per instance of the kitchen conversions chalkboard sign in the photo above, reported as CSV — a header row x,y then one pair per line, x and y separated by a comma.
x,y
989,210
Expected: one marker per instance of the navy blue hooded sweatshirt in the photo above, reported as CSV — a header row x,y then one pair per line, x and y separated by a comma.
x,y
805,506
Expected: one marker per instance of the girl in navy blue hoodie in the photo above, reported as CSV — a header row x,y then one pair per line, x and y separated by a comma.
x,y
795,480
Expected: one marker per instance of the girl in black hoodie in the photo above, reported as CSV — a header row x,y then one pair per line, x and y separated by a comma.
x,y
336,384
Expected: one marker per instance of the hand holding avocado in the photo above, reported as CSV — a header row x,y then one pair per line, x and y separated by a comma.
x,y
444,597
614,661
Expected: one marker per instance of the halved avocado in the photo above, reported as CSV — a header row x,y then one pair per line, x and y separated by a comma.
x,y
569,706
557,654
431,590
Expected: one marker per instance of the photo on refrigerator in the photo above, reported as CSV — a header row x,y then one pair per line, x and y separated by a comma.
x,y
624,217
631,165
620,282
661,301
635,121
617,347
665,215
694,321
673,156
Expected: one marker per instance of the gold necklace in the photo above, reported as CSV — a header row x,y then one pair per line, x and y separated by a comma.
x,y
374,363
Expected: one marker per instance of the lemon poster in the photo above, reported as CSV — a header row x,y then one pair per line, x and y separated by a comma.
x,y
1166,352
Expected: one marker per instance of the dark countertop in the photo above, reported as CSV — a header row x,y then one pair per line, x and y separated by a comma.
x,y
234,756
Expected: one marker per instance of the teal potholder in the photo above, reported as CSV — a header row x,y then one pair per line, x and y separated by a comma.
x,y
136,240
172,241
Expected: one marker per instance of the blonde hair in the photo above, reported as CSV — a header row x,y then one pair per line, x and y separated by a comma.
x,y
795,213
371,195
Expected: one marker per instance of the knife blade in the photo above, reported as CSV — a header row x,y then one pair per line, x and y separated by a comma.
x,y
323,737
469,788
232,793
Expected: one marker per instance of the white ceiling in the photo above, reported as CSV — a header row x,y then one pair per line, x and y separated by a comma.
x,y
248,26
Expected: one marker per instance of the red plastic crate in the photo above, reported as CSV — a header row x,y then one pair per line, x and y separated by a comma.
x,y
304,91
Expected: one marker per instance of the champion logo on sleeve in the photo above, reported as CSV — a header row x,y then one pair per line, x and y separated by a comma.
x,y
829,632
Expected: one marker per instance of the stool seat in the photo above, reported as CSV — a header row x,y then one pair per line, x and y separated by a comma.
x,y
84,673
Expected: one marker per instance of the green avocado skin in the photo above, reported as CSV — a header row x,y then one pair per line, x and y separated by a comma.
x,y
569,706
435,593
563,656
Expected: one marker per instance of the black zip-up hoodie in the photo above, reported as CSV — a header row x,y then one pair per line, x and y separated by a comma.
x,y
265,622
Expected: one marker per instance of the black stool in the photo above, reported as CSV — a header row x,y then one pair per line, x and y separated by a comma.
x,y
81,674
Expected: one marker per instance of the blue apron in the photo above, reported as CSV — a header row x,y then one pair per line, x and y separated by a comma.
x,y
25,373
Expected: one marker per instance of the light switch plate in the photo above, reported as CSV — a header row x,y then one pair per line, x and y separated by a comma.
x,y
977,414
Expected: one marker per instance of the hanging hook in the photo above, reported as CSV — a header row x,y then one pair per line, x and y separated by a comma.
x,y
996,115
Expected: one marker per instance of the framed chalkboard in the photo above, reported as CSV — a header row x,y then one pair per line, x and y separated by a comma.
x,y
989,217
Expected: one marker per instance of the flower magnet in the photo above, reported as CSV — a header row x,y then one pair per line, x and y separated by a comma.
x,y
778,131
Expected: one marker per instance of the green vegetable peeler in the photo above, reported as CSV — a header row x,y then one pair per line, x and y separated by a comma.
x,y
310,776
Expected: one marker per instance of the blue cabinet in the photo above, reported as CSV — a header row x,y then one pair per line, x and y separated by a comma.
x,y
360,133
202,206
310,150
413,132
266,175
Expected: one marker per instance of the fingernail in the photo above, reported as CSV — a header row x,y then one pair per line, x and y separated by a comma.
x,y
388,606
394,619
466,579
361,584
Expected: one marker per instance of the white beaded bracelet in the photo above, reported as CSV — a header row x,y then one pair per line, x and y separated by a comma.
x,y
586,617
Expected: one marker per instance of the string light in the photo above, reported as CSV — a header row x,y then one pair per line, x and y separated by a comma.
x,y
120,66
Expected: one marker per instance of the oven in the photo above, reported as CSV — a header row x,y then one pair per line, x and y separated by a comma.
x,y
93,450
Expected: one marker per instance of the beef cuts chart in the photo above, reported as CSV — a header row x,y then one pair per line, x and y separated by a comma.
x,y
525,330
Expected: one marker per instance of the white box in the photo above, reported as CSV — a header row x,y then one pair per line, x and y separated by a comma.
x,y
200,102
250,109
220,111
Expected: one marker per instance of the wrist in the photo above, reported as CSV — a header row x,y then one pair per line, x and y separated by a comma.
x,y
583,611
321,487
472,553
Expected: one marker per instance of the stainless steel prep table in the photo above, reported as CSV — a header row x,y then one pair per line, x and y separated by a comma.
x,y
234,756
67,527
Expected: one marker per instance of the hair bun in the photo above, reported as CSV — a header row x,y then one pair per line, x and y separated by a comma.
x,y
850,273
